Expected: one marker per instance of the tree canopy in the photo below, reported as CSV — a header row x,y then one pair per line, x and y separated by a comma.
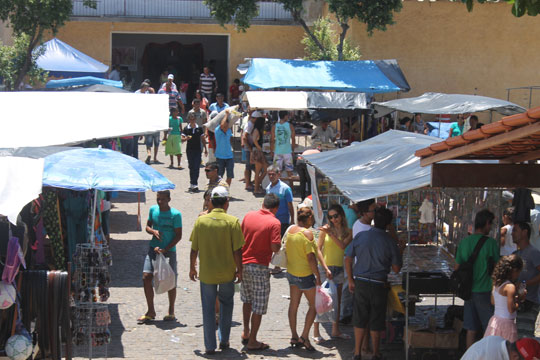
x,y
327,36
519,7
30,20
377,15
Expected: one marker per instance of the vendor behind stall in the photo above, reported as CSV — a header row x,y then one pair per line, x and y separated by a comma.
x,y
325,133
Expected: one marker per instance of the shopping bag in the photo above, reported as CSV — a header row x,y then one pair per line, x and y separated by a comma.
x,y
323,300
164,277
280,258
331,315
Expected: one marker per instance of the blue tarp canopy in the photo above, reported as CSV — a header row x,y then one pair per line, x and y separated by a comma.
x,y
368,76
82,81
62,60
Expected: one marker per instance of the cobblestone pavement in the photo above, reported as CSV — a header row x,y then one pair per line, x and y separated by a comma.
x,y
184,339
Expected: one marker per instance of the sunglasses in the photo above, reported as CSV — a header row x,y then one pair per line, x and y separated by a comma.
x,y
336,216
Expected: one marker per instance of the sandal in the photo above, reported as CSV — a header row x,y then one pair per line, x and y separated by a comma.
x,y
342,336
145,319
318,339
169,318
262,346
244,340
305,343
295,343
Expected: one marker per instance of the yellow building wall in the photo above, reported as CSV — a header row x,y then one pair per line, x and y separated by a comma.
x,y
274,41
443,48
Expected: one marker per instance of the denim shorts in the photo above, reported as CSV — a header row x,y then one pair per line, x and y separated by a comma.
x,y
338,274
226,164
303,283
152,139
151,256
477,311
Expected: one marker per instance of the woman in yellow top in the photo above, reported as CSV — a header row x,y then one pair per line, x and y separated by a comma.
x,y
333,239
303,274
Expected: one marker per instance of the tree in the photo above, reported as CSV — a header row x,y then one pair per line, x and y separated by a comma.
x,y
31,19
325,34
519,7
376,14
12,59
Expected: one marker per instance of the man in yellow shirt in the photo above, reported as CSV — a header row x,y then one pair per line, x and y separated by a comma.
x,y
217,240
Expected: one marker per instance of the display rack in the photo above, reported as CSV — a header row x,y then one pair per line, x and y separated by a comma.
x,y
90,284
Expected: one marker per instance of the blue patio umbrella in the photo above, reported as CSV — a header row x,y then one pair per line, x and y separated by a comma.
x,y
101,169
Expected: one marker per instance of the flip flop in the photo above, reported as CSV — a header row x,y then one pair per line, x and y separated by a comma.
x,y
262,346
342,336
145,319
169,318
244,340
318,339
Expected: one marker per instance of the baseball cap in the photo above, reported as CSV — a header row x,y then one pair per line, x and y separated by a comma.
x,y
256,114
528,348
171,76
220,192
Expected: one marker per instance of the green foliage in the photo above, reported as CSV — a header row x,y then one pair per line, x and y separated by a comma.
x,y
323,31
12,59
519,7
375,14
241,11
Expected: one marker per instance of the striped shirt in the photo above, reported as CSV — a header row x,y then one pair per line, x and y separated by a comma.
x,y
207,83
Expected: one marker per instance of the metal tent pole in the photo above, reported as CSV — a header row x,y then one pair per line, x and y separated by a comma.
x,y
408,257
93,234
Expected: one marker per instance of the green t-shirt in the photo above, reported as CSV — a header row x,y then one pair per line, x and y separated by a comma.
x,y
481,279
174,124
216,236
166,222
456,129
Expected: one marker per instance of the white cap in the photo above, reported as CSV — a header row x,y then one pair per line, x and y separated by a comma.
x,y
256,114
220,192
171,76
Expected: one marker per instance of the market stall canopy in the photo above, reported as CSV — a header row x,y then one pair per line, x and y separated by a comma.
x,y
305,100
438,103
62,60
380,166
66,118
82,81
369,76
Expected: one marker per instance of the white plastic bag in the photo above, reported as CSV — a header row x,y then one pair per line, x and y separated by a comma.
x,y
280,258
331,315
323,300
164,278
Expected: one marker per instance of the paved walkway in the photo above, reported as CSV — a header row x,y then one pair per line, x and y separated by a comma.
x,y
184,339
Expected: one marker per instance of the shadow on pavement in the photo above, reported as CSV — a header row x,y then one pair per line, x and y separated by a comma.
x,y
122,222
129,197
115,349
128,261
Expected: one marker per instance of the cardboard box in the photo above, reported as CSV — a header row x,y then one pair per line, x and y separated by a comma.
x,y
435,339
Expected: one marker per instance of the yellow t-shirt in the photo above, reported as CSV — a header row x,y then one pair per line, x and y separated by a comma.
x,y
298,246
215,236
332,253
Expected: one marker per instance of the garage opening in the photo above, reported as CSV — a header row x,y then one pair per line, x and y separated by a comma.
x,y
147,56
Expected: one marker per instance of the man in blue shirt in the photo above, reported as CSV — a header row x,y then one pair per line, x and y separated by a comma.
x,y
374,253
165,225
224,153
219,105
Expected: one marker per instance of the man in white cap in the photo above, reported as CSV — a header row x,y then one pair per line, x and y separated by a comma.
x,y
170,82
217,241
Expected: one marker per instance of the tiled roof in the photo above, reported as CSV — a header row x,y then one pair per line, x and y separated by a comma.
x,y
512,139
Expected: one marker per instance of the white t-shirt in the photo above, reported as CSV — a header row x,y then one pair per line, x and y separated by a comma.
x,y
509,246
489,348
535,224
427,215
358,227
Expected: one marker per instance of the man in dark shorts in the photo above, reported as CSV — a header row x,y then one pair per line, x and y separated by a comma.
x,y
374,253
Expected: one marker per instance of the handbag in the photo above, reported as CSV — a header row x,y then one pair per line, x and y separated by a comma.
x,y
280,258
461,280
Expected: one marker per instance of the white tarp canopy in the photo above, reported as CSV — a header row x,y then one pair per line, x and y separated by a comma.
x,y
305,100
438,103
380,166
63,118
33,119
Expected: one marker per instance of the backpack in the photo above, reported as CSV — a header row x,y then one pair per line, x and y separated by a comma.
x,y
461,280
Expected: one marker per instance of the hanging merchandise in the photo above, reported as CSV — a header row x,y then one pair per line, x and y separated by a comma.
x,y
14,258
91,278
19,347
8,295
91,325
76,210
51,221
